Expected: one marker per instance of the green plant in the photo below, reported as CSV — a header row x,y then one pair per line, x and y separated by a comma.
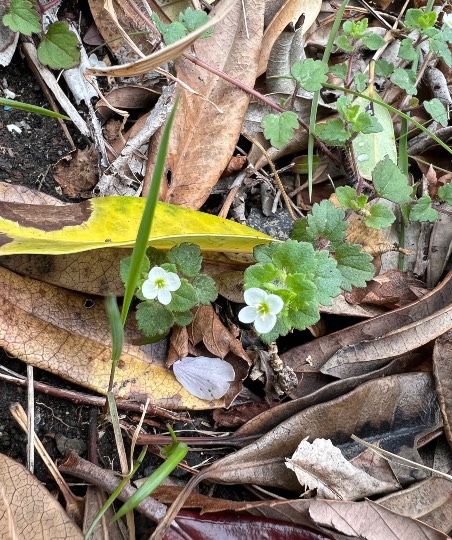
x,y
58,48
188,21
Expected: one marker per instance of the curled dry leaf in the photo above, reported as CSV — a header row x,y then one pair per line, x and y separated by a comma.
x,y
442,371
205,133
35,513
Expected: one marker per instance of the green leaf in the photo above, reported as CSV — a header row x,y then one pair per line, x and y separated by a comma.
x,y
124,269
417,18
437,111
383,68
439,46
325,226
405,79
153,319
205,289
373,41
346,195
333,132
366,123
345,108
355,29
422,210
310,74
380,216
259,274
184,298
170,32
343,43
263,254
280,329
339,70
156,257
390,183
407,51
355,265
328,278
187,258
445,193
22,17
361,80
193,19
279,128
295,257
302,317
183,319
59,47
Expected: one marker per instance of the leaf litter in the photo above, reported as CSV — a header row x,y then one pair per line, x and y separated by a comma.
x,y
384,379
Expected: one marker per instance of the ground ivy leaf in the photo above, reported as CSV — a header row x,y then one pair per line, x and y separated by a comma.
x,y
328,278
380,216
366,123
124,269
441,48
343,43
422,210
170,32
405,79
156,257
355,265
183,319
259,274
345,195
205,289
193,19
263,254
59,47
184,298
302,317
153,319
326,226
22,17
279,128
333,132
390,183
295,257
437,111
310,74
419,19
407,51
187,258
445,193
373,41
361,80
280,329
339,70
383,68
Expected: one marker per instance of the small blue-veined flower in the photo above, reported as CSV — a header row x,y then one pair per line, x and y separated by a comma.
x,y
160,284
447,19
261,310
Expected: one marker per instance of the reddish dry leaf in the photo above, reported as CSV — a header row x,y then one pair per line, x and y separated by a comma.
x,y
367,520
318,351
442,371
205,131
27,506
237,416
429,501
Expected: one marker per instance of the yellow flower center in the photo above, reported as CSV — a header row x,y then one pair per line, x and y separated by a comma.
x,y
263,309
159,283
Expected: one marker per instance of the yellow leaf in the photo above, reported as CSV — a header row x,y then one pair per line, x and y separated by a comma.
x,y
113,222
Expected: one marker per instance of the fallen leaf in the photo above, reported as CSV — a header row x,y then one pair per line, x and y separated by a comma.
x,y
21,194
440,247
34,511
442,354
77,173
205,133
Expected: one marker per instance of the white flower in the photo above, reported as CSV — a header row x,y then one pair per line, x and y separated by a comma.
x,y
261,310
160,284
447,20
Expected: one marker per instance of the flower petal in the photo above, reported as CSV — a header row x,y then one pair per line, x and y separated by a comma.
x,y
274,303
157,273
148,289
248,314
254,296
172,281
164,296
265,324
206,378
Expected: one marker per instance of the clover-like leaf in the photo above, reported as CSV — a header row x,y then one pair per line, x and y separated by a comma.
x,y
445,193
310,74
437,111
59,47
187,258
422,210
354,264
205,289
22,17
380,216
153,319
390,183
333,132
279,128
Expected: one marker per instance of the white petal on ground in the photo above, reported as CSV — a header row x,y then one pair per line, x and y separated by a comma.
x,y
248,314
254,296
149,290
205,378
265,324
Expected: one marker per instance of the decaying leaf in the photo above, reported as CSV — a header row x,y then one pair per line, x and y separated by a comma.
x,y
442,370
34,511
76,173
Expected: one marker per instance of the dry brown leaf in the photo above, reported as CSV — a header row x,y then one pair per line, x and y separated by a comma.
x,y
21,194
204,135
442,371
429,501
440,247
76,173
320,350
373,241
51,329
289,12
367,520
35,512
105,530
